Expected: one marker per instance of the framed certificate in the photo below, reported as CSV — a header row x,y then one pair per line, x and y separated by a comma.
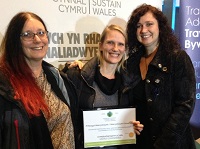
x,y
108,127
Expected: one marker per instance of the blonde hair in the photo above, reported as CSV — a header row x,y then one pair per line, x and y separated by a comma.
x,y
102,38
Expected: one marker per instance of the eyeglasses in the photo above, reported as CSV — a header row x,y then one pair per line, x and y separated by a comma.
x,y
29,36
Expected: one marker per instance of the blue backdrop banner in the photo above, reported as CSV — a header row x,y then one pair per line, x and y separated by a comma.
x,y
190,41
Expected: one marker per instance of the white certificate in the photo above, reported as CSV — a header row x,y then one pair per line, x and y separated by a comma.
x,y
108,127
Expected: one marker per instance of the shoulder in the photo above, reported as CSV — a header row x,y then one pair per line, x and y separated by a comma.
x,y
46,65
6,92
50,69
72,74
90,67
183,65
5,85
181,57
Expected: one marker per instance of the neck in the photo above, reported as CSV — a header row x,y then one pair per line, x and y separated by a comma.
x,y
36,68
108,71
36,72
150,50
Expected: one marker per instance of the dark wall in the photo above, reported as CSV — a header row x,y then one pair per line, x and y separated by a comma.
x,y
167,9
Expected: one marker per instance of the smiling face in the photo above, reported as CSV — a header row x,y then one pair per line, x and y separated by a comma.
x,y
36,49
113,47
148,31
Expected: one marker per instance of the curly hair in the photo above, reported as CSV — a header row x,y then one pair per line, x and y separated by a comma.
x,y
167,38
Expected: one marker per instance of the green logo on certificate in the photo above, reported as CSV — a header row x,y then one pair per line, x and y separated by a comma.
x,y
109,114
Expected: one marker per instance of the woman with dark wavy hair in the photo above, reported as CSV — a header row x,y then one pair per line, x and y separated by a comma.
x,y
34,103
161,80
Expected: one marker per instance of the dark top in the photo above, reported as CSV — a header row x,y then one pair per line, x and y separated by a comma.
x,y
142,115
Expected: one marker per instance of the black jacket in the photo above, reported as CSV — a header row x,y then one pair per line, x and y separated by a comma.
x,y
15,125
170,97
82,81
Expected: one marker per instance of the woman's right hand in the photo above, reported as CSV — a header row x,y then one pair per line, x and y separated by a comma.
x,y
76,63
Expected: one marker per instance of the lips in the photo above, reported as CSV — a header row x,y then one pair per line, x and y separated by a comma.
x,y
37,48
114,54
145,36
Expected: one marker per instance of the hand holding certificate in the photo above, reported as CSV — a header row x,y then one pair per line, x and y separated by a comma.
x,y
108,127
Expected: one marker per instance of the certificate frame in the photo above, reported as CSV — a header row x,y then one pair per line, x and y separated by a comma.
x,y
108,127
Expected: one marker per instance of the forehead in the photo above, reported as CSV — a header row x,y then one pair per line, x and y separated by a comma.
x,y
114,34
147,17
33,24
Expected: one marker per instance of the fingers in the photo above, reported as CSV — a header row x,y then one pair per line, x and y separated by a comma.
x,y
76,63
135,122
137,127
72,65
80,64
137,132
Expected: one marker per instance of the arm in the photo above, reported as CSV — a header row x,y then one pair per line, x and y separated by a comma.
x,y
1,124
75,64
183,99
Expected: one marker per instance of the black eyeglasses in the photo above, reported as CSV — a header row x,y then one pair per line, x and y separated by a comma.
x,y
29,36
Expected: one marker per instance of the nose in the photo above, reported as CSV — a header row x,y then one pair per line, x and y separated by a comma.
x,y
115,47
36,38
143,29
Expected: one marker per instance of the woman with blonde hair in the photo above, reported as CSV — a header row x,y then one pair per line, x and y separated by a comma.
x,y
99,82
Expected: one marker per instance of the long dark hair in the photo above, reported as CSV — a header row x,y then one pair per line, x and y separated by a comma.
x,y
15,68
166,35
